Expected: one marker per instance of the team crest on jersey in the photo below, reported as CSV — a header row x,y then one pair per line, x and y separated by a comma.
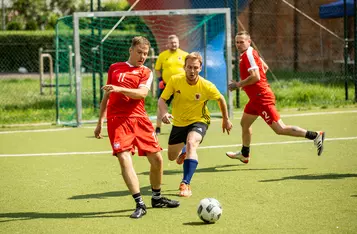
x,y
135,72
179,58
116,145
197,96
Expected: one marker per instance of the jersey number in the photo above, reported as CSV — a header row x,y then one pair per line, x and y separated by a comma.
x,y
265,115
121,77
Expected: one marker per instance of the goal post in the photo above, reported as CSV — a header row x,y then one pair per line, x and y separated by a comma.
x,y
205,30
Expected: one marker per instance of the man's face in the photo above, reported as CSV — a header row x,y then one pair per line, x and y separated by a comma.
x,y
192,69
138,54
173,44
242,43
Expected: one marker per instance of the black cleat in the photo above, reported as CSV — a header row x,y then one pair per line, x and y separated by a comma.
x,y
164,202
158,131
139,212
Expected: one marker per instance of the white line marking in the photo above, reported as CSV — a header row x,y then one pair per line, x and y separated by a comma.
x,y
38,130
202,147
283,116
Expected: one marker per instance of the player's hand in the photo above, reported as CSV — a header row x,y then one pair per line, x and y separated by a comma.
x,y
97,132
233,85
226,126
161,84
167,118
111,88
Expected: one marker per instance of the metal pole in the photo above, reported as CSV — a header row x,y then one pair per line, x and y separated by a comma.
x,y
57,74
205,50
77,69
236,63
101,81
3,16
94,83
355,48
345,52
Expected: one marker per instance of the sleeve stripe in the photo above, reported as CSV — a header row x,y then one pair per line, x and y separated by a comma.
x,y
253,64
148,82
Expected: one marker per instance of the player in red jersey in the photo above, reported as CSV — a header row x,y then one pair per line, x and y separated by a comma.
x,y
261,100
129,126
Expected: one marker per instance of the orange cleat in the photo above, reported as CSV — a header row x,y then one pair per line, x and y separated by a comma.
x,y
181,158
185,190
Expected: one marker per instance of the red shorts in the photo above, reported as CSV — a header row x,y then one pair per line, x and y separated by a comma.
x,y
126,133
264,108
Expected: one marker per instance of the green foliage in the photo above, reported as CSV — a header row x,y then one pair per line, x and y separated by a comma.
x,y
26,44
14,26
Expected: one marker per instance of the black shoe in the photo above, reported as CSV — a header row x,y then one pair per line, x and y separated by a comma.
x,y
164,202
158,131
139,212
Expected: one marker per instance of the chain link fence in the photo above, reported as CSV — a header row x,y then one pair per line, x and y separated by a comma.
x,y
289,34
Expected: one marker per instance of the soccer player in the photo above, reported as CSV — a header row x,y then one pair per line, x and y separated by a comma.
x,y
170,62
261,100
129,126
190,116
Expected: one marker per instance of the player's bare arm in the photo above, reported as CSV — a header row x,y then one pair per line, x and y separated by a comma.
x,y
139,93
252,79
226,123
165,116
102,115
265,66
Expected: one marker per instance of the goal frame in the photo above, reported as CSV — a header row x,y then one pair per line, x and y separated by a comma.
x,y
205,11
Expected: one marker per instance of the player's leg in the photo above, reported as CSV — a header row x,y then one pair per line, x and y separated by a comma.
x,y
177,141
122,138
158,115
132,182
271,116
246,124
156,172
147,144
196,133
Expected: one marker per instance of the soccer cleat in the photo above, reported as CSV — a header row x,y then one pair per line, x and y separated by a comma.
x,y
238,155
139,212
319,142
182,156
164,202
185,190
157,130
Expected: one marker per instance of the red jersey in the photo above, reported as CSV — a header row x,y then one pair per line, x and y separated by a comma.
x,y
249,60
126,75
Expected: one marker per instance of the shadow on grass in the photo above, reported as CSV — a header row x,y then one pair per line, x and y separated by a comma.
x,y
353,195
144,191
19,216
147,189
197,223
330,176
222,168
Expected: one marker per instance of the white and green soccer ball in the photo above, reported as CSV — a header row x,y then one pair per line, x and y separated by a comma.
x,y
209,210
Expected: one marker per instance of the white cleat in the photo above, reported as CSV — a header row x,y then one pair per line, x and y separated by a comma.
x,y
238,155
319,142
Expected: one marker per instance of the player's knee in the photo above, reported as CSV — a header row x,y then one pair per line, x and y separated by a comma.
x,y
279,131
172,156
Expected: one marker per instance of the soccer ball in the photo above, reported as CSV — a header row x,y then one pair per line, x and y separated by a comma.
x,y
209,210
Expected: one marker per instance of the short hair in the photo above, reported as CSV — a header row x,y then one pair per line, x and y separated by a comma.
x,y
173,36
194,55
139,40
243,33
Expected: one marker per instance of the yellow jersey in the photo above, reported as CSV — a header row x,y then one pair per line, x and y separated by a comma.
x,y
189,104
171,63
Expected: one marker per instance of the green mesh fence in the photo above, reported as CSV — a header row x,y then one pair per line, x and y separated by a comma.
x,y
195,31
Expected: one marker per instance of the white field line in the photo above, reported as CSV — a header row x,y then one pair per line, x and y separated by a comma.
x,y
200,148
37,130
213,120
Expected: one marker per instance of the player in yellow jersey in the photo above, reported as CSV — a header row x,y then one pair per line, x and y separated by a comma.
x,y
190,116
170,62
